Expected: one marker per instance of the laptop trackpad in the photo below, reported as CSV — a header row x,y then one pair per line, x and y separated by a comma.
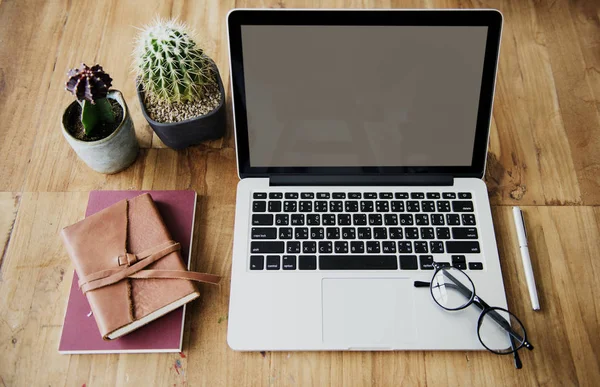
x,y
368,313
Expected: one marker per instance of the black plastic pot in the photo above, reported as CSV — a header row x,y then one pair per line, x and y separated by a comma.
x,y
180,135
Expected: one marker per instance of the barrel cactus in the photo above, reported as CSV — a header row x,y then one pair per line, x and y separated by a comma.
x,y
90,86
170,65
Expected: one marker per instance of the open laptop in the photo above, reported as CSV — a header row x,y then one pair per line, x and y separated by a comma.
x,y
361,140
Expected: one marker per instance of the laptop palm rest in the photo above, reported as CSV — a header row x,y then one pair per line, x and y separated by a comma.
x,y
368,313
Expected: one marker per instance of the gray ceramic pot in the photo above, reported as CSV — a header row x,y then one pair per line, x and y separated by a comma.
x,y
113,153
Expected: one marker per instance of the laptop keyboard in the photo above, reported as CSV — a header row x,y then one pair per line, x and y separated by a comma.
x,y
363,231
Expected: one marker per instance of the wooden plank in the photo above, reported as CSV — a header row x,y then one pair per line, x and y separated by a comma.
x,y
9,204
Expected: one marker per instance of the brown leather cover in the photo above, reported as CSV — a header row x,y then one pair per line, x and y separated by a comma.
x,y
108,247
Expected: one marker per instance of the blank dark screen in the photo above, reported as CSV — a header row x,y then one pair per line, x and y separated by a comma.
x,y
362,95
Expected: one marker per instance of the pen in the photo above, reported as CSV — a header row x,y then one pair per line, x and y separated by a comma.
x,y
522,236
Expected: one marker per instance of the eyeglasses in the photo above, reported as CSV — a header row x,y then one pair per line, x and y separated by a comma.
x,y
498,330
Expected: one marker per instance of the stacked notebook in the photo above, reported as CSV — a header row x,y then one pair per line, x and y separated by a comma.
x,y
131,315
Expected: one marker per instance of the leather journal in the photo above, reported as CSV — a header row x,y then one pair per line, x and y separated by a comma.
x,y
129,268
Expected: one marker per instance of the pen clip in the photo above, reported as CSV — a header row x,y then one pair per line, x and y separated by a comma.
x,y
523,221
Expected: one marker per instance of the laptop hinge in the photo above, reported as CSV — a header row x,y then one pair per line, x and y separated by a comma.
x,y
361,180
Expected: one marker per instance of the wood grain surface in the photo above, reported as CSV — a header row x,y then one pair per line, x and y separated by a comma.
x,y
544,155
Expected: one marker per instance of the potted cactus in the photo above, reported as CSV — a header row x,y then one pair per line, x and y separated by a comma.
x,y
179,87
98,125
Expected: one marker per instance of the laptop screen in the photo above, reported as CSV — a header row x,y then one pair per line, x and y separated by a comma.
x,y
348,96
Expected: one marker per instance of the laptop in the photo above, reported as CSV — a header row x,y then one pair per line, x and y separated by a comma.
x,y
361,140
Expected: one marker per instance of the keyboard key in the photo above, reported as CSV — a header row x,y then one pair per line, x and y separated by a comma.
x,y
297,219
461,266
359,219
262,220
348,233
462,206
364,232
259,206
404,247
436,247
406,219
388,247
309,247
427,233
275,206
426,262
257,262
336,206
305,206
317,233
462,247
264,233
282,219
325,247
411,232
421,247
401,195
293,247
373,247
417,195
323,195
301,233
357,247
390,219
275,195
468,219
313,219
289,206
433,195
286,233
475,266
437,219
379,233
273,262
375,220
266,247
421,220
443,206
395,233
449,195
358,262
339,195
366,205
408,262
351,206
344,220
464,195
428,206
370,195
307,195
382,206
442,233
354,195
320,206
289,262
332,232
307,262
386,195
412,206
397,206
328,219
291,195
458,259
464,233
341,247
452,219
260,195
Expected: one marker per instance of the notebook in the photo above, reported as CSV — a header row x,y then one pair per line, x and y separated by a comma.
x,y
80,333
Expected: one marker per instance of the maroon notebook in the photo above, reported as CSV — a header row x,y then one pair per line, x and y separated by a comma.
x,y
80,333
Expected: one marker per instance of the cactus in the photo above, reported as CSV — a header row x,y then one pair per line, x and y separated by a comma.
x,y
90,87
170,65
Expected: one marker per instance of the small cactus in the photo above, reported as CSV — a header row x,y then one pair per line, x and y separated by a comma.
x,y
170,65
90,87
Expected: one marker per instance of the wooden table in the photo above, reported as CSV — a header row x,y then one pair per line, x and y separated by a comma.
x,y
544,156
